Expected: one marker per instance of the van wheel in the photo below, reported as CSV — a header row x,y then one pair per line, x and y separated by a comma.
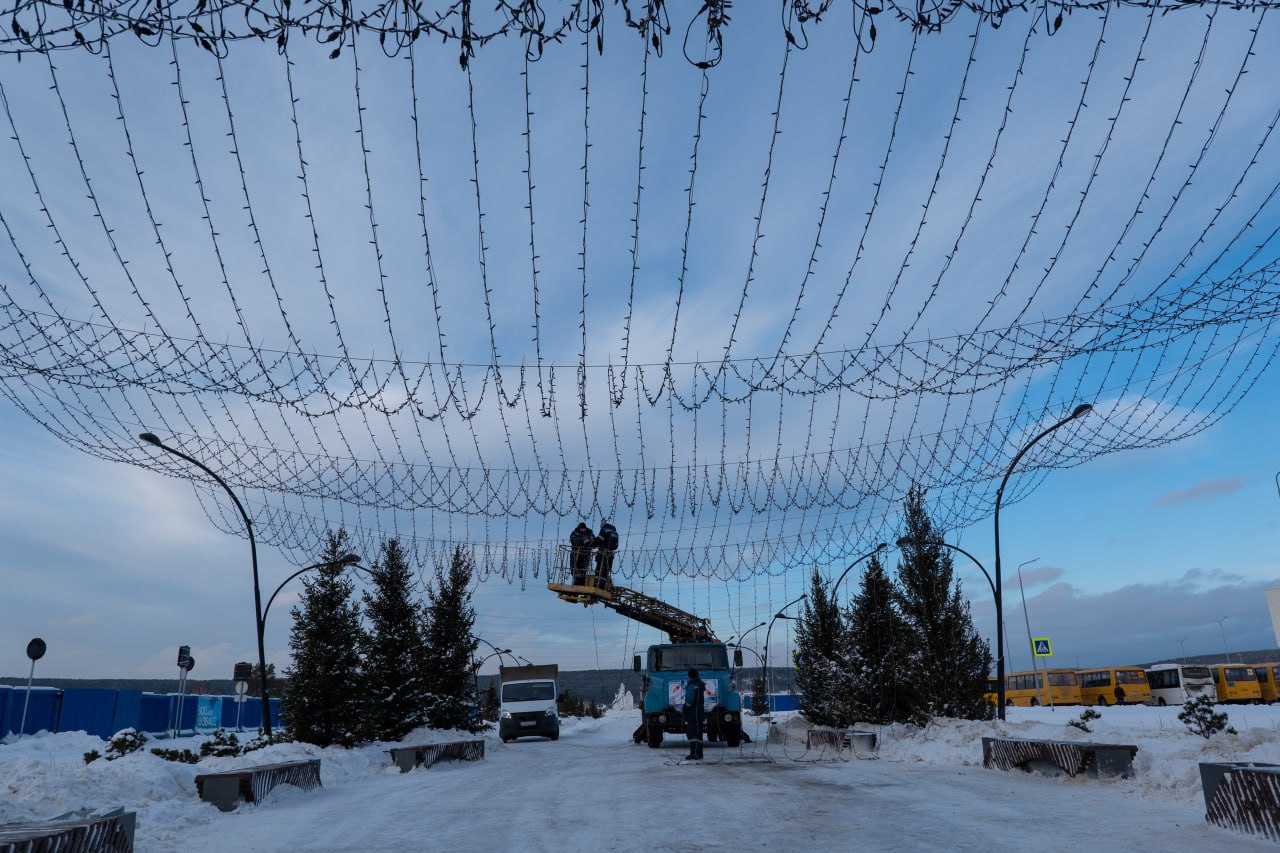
x,y
555,736
506,740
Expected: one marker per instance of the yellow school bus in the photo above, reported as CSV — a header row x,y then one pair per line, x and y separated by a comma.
x,y
1114,685
992,694
1268,674
1028,687
1235,683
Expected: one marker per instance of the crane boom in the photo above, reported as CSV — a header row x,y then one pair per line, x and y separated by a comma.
x,y
588,589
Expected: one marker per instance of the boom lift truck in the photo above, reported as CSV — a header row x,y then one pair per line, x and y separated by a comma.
x,y
693,646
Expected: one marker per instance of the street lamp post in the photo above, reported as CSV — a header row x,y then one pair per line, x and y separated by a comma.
x,y
1225,650
151,438
746,632
1026,617
498,653
344,561
496,650
1078,411
871,553
1181,645
768,632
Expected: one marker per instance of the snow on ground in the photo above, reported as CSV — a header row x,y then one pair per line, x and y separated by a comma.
x,y
596,790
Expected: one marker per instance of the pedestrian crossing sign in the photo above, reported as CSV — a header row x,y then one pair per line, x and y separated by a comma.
x,y
1041,647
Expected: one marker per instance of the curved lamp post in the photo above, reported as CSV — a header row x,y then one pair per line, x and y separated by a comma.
x,y
1078,411
150,438
498,653
745,633
496,650
344,560
765,660
870,553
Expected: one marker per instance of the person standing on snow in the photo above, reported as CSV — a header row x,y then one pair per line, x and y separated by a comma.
x,y
695,714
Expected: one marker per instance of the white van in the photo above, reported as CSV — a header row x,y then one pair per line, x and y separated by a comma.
x,y
528,702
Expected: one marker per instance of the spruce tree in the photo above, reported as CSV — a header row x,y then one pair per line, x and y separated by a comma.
x,y
948,660
874,643
394,649
819,666
322,702
451,647
759,696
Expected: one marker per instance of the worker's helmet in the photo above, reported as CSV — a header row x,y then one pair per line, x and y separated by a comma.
x,y
693,673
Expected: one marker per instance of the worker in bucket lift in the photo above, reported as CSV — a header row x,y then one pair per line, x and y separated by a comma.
x,y
582,539
606,545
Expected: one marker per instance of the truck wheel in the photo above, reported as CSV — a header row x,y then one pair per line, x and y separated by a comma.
x,y
733,735
654,736
713,729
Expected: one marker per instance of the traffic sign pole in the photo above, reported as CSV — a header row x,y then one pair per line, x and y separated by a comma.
x,y
35,650
241,688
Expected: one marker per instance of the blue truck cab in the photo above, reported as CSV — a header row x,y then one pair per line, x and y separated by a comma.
x,y
663,686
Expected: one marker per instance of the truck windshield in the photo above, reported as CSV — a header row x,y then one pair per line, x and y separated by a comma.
x,y
529,691
677,658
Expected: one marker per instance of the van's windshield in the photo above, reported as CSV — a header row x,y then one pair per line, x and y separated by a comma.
x,y
529,691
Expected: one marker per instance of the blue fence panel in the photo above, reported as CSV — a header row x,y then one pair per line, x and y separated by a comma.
x,y
6,696
128,711
777,701
88,710
42,713
186,721
155,713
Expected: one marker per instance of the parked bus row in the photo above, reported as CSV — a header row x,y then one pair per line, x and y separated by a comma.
x,y
1160,684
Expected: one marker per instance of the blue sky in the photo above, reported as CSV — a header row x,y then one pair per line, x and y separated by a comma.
x,y
115,565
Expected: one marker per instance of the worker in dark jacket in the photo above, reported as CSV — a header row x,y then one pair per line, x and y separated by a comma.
x,y
582,539
606,545
695,714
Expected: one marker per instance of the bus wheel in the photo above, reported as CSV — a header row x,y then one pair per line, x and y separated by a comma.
x,y
1034,702
1161,702
1008,703
1102,701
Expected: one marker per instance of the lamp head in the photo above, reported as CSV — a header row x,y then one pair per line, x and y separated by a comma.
x,y
149,438
881,547
348,559
1081,409
904,541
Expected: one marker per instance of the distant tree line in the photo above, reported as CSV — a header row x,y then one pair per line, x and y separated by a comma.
x,y
378,666
904,650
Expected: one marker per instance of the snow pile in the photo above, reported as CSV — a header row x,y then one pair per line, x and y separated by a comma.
x,y
622,702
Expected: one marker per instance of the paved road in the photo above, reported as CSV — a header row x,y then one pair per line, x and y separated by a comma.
x,y
594,790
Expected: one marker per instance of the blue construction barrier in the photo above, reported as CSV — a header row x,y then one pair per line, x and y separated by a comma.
x,y
777,701
42,711
88,710
103,712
